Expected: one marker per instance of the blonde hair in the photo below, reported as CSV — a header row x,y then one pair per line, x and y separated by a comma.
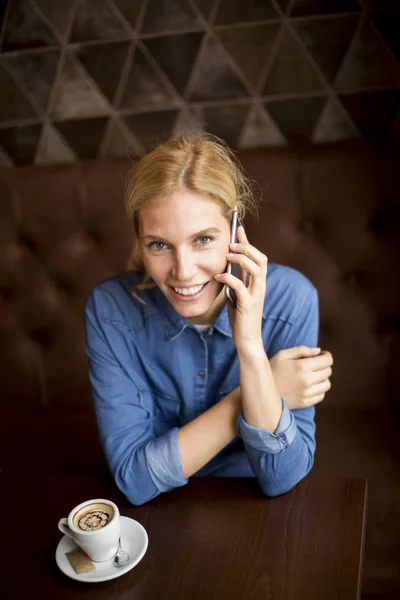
x,y
194,161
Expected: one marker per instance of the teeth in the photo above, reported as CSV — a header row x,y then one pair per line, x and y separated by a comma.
x,y
189,291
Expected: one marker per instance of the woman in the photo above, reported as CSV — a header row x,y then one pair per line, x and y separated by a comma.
x,y
181,384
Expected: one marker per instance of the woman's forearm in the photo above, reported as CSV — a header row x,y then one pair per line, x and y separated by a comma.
x,y
201,439
261,402
258,397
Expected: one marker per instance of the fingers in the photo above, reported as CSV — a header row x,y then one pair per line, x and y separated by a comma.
x,y
234,283
307,401
326,356
248,250
316,363
242,237
315,399
297,352
251,261
246,263
319,376
318,389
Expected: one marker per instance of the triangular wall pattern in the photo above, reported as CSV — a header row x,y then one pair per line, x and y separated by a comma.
x,y
116,76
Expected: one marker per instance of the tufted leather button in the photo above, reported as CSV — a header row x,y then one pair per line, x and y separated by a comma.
x,y
307,227
354,279
351,279
26,241
388,327
77,245
64,287
14,252
42,337
387,222
94,238
49,296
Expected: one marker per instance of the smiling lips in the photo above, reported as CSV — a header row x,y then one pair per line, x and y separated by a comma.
x,y
189,292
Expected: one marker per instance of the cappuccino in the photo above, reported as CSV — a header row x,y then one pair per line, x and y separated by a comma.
x,y
93,517
95,526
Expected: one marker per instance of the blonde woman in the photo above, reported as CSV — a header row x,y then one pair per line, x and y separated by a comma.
x,y
183,386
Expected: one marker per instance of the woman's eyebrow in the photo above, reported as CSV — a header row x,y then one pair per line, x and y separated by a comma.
x,y
191,237
205,231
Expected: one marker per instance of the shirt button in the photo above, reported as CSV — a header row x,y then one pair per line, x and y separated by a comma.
x,y
201,374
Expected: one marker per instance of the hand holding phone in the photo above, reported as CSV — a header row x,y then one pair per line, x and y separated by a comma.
x,y
233,268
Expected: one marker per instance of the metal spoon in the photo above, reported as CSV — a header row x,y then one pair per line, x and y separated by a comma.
x,y
121,558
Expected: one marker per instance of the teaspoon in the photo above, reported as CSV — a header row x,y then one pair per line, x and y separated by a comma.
x,y
122,557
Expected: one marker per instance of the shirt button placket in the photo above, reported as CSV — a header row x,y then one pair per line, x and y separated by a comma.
x,y
200,384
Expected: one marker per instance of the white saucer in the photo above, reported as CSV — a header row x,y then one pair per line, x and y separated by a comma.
x,y
134,541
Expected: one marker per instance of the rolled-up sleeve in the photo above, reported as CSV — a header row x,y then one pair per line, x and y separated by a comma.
x,y
164,461
264,440
142,464
281,459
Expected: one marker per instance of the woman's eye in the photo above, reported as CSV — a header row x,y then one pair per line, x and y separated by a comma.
x,y
204,240
157,245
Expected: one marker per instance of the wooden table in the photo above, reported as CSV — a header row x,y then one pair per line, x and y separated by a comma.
x,y
213,539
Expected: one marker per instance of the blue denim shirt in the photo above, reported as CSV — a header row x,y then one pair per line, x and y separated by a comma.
x,y
152,372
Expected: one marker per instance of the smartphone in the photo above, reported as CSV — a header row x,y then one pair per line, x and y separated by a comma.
x,y
233,268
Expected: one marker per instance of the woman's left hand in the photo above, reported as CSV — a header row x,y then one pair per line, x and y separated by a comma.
x,y
246,319
302,375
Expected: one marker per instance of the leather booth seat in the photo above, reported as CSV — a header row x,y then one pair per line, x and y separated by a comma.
x,y
330,211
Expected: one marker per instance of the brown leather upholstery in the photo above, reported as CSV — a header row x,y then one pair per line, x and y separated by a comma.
x,y
333,213
62,230
330,211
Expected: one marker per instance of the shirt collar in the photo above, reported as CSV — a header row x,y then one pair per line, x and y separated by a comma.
x,y
174,324
221,323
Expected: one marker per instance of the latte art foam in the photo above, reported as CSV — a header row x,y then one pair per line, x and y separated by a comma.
x,y
94,520
93,516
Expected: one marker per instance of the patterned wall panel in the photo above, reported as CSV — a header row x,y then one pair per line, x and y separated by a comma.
x,y
92,78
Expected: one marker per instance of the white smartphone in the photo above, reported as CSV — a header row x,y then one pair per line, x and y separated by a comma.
x,y
233,268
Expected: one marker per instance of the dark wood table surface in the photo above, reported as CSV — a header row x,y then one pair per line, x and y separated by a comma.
x,y
213,539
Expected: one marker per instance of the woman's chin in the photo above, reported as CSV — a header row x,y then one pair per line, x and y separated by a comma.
x,y
191,309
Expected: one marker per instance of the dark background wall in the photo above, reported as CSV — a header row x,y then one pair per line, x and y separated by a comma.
x,y
88,78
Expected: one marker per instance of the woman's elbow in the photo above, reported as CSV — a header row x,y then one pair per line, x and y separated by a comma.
x,y
273,489
135,494
277,486
137,489
137,499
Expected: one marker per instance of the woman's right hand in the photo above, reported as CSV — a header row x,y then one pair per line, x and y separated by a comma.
x,y
302,375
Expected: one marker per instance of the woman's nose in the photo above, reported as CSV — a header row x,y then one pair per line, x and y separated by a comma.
x,y
184,268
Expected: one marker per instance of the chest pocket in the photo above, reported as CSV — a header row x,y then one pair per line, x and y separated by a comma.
x,y
164,409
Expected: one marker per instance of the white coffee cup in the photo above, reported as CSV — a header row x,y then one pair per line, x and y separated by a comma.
x,y
100,538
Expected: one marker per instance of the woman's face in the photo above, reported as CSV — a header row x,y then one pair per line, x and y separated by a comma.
x,y
184,239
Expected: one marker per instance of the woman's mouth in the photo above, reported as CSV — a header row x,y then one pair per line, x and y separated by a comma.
x,y
188,294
